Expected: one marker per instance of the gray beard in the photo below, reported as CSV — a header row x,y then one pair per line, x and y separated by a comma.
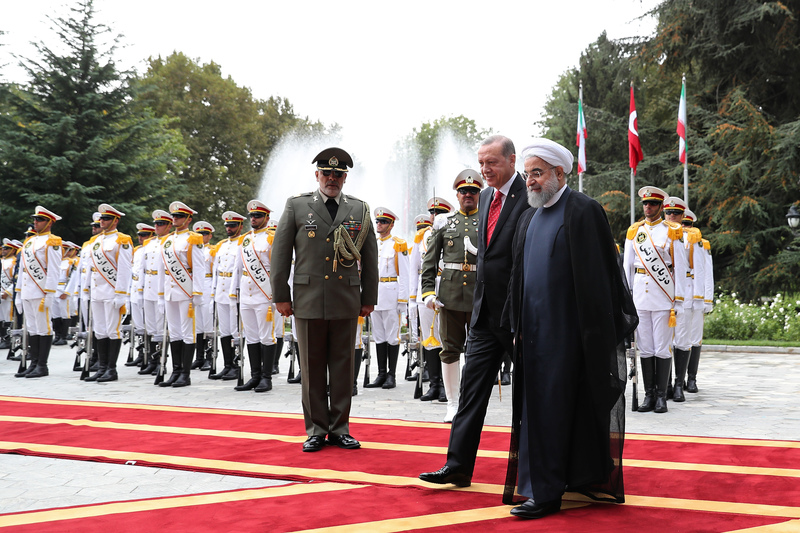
x,y
538,199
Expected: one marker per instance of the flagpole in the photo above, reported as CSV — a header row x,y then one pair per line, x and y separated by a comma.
x,y
686,151
580,107
633,195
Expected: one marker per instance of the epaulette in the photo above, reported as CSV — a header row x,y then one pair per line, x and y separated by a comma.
x,y
195,238
240,239
420,233
302,194
53,240
270,237
694,235
215,248
123,239
87,243
633,229
400,245
706,245
675,231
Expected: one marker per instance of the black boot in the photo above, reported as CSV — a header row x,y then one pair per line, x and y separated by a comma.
x,y
276,360
152,358
40,370
267,358
681,362
94,363
102,359
393,353
185,379
359,353
139,359
58,328
114,346
198,343
226,346
434,365
694,363
663,367
176,349
30,359
5,340
670,391
254,354
208,347
649,379
381,354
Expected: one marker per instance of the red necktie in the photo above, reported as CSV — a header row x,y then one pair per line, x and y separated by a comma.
x,y
494,214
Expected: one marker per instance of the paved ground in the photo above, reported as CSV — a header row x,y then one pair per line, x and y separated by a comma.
x,y
744,394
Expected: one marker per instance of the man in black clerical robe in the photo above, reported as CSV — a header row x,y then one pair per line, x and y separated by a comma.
x,y
570,310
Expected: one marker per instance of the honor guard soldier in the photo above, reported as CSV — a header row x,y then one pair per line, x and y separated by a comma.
x,y
694,280
255,298
704,288
421,223
84,281
184,285
136,291
8,263
111,256
37,289
204,314
61,307
152,274
392,298
655,268
454,244
224,295
428,318
329,233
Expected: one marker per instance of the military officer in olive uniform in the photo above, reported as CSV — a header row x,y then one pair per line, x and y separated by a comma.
x,y
454,242
329,233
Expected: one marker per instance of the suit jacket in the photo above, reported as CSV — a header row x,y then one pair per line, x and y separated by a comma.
x,y
319,292
494,261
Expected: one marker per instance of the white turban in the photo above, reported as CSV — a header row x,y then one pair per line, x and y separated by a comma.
x,y
551,152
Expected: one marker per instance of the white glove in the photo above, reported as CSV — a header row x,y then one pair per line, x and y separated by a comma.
x,y
401,307
49,298
707,308
432,303
197,300
469,247
120,300
18,305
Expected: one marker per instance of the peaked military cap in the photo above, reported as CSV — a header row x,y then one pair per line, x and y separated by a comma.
x,y
333,159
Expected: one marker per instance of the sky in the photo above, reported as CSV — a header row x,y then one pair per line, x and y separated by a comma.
x,y
378,69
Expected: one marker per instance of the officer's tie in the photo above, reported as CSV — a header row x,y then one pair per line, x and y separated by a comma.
x,y
332,206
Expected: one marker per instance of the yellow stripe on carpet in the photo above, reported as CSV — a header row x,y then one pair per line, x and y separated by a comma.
x,y
714,440
51,515
719,469
792,526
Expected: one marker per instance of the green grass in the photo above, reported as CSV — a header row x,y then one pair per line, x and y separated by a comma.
x,y
751,342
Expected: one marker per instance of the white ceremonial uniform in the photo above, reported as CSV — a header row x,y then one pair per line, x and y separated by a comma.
x,y
426,316
61,308
82,280
184,282
706,285
654,336
111,255
6,287
152,274
222,281
204,313
392,289
255,290
686,319
137,291
38,281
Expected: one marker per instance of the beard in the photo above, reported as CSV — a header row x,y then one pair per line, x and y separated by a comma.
x,y
549,189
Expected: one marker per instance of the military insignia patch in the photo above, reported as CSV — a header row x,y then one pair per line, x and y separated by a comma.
x,y
333,162
56,247
246,242
353,228
167,244
640,238
96,246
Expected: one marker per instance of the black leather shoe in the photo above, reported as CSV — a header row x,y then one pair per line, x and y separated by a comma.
x,y
344,441
531,509
505,378
314,443
447,475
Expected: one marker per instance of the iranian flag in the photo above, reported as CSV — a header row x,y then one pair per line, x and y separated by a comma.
x,y
580,141
635,153
682,124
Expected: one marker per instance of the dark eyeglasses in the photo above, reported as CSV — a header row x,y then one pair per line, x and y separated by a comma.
x,y
39,219
161,222
144,234
673,212
179,215
337,173
687,223
383,220
232,224
95,225
651,202
257,215
469,190
204,232
107,217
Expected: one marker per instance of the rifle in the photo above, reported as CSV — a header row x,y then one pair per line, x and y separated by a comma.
x,y
406,349
162,360
88,357
15,333
240,381
128,328
631,352
288,337
214,339
79,336
366,357
22,333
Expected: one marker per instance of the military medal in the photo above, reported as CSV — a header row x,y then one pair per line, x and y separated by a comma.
x,y
449,243
311,234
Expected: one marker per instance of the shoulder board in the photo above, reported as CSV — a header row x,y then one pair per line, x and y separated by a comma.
x,y
695,236
633,229
195,238
400,245
215,248
270,237
240,239
706,245
419,235
122,238
54,240
302,194
675,231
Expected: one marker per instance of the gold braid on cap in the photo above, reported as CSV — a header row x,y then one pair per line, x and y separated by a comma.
x,y
343,245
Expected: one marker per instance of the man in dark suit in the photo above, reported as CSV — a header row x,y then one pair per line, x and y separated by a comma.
x,y
329,233
501,205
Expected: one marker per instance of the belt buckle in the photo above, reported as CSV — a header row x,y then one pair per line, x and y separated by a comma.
x,y
466,267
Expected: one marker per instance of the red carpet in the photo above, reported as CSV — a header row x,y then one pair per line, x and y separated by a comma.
x,y
702,484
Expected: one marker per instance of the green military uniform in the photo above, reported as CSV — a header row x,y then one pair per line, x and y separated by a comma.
x,y
457,283
327,296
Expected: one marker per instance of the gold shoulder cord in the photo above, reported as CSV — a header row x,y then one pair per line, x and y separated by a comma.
x,y
343,245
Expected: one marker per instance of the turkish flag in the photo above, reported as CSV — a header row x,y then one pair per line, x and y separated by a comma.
x,y
635,153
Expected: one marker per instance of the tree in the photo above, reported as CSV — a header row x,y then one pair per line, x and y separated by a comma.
x,y
74,136
228,133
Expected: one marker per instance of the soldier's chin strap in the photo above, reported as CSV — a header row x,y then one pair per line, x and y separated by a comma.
x,y
343,245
